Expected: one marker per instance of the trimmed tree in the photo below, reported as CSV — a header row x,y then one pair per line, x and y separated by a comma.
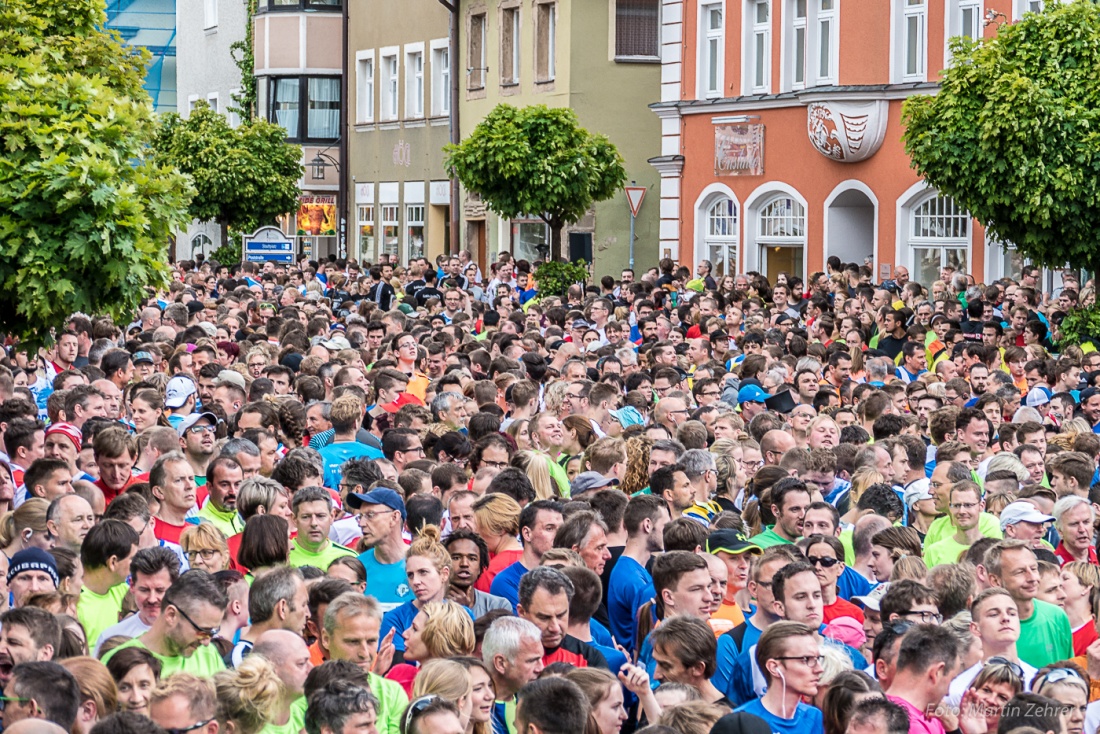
x,y
537,161
1014,134
85,215
244,177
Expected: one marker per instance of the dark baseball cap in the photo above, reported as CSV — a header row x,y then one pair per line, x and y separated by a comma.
x,y
377,496
731,541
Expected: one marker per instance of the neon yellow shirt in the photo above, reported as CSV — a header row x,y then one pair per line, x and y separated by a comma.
x,y
942,527
322,559
204,662
229,521
97,612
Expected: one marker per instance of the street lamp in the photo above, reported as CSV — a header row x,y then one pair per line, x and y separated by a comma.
x,y
320,162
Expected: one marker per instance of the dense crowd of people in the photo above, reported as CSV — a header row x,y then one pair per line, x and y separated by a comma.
x,y
423,499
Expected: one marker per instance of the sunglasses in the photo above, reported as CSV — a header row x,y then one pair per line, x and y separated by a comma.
x,y
416,707
1016,669
824,562
185,729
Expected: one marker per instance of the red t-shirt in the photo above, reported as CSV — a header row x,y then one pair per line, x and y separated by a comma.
x,y
1084,636
109,493
841,608
500,562
167,531
1064,556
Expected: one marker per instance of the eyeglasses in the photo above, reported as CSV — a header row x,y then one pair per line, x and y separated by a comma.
x,y
371,514
416,707
202,429
205,553
495,464
4,700
1016,669
184,729
925,617
414,450
202,631
810,661
824,561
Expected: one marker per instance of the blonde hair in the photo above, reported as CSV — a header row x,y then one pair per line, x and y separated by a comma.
x,y
497,513
29,515
199,693
636,477
204,536
909,567
444,678
248,695
1088,576
96,683
595,683
536,466
427,545
863,478
449,631
692,717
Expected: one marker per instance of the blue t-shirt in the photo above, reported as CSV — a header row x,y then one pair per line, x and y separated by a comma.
x,y
733,673
335,454
629,587
852,583
386,582
601,636
805,718
506,583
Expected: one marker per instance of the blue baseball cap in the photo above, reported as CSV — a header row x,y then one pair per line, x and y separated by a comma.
x,y
628,416
377,496
751,394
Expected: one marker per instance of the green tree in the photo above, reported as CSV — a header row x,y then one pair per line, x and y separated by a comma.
x,y
85,215
1013,134
244,177
539,161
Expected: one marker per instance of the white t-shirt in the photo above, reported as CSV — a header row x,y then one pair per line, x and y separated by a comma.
x,y
132,626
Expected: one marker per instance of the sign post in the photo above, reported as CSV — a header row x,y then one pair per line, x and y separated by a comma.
x,y
635,195
268,244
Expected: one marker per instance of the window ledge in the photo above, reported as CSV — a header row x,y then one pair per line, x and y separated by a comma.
x,y
549,80
476,89
637,59
418,122
509,85
390,125
365,126
210,30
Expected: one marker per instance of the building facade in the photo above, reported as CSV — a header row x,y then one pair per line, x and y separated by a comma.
x,y
399,106
206,31
151,24
781,135
602,59
299,69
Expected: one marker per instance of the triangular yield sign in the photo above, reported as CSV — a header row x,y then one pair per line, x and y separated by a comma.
x,y
634,197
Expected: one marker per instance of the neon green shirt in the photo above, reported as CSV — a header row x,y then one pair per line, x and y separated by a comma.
x,y
294,724
322,559
203,663
97,612
942,527
229,521
944,551
391,703
768,538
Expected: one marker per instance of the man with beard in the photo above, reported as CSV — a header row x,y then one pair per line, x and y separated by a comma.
x,y
631,585
27,635
191,613
223,478
152,573
197,442
469,557
789,499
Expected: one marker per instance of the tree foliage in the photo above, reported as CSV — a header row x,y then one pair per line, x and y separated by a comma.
x,y
554,278
244,177
537,161
85,215
1013,133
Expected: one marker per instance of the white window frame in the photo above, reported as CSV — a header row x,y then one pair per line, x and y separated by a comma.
x,y
712,42
826,17
364,86
231,114
209,14
758,43
728,236
364,214
414,81
943,207
441,77
797,40
917,11
411,211
390,78
797,218
191,100
391,217
483,39
212,100
1019,7
956,26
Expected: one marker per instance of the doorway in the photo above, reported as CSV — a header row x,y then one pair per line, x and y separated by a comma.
x,y
850,228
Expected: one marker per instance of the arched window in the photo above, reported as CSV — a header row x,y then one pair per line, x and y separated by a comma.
x,y
939,236
781,235
720,246
201,243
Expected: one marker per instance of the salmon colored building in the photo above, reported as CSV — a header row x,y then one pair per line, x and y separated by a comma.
x,y
781,136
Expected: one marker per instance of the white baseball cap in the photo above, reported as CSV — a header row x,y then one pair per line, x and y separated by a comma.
x,y
1022,511
916,491
177,392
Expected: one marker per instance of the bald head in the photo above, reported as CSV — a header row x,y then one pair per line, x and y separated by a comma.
x,y
34,726
774,444
290,655
275,643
